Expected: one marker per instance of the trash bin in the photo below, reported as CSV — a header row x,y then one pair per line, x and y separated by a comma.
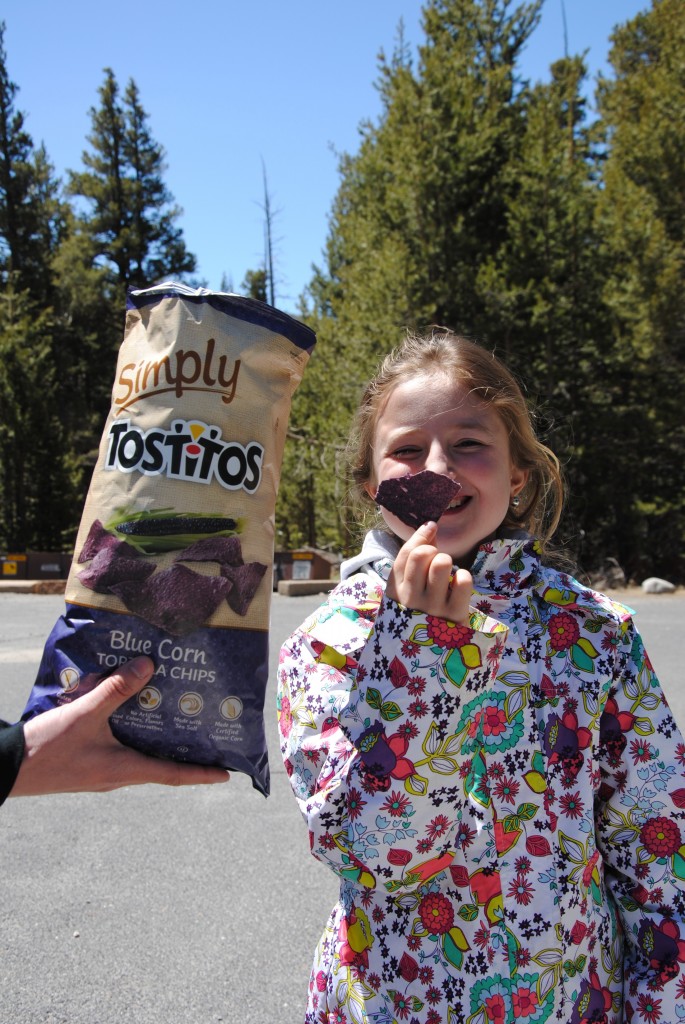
x,y
13,567
47,565
303,564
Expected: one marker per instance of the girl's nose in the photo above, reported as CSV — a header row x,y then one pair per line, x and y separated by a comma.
x,y
439,460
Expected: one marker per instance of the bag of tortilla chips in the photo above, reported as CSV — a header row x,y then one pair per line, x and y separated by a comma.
x,y
174,554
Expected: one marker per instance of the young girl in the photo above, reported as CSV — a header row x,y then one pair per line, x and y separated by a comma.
x,y
483,755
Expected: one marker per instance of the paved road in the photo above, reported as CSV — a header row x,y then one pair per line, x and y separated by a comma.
x,y
153,906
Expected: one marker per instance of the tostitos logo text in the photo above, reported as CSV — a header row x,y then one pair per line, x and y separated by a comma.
x,y
189,450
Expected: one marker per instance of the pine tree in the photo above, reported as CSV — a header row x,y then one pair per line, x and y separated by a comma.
x,y
420,211
125,235
132,222
254,284
642,221
90,329
31,215
36,470
35,457
542,294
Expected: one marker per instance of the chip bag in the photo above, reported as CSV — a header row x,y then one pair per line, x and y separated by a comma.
x,y
174,554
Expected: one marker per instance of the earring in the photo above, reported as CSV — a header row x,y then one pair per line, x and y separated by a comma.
x,y
515,501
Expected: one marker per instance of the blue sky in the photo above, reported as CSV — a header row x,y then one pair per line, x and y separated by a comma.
x,y
230,84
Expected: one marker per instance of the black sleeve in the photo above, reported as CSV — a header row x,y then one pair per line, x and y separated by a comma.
x,y
11,754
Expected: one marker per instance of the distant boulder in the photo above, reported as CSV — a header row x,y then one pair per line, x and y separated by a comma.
x,y
654,585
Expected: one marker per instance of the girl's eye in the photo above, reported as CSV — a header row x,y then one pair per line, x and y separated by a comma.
x,y
469,442
408,450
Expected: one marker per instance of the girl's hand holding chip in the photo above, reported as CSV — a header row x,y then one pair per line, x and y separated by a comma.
x,y
423,579
71,749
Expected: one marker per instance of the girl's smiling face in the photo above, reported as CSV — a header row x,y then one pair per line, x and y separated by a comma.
x,y
432,422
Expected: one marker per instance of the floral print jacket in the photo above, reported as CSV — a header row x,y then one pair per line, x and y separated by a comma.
x,y
503,803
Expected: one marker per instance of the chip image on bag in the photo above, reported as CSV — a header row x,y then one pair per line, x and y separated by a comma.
x,y
174,553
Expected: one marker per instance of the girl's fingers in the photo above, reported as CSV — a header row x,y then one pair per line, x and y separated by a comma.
x,y
408,576
424,535
417,567
449,591
462,580
424,579
459,596
438,576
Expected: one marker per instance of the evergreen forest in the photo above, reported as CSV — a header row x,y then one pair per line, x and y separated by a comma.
x,y
548,227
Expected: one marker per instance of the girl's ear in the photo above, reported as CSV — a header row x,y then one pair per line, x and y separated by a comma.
x,y
518,479
370,489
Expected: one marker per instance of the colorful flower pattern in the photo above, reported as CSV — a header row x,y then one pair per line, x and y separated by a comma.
x,y
503,803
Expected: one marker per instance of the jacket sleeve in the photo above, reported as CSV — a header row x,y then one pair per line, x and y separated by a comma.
x,y
11,754
368,709
641,830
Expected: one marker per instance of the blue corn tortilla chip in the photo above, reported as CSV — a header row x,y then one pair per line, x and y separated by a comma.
x,y
245,580
177,600
225,550
110,567
417,498
100,539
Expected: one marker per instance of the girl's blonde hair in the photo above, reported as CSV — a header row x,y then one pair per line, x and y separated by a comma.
x,y
474,367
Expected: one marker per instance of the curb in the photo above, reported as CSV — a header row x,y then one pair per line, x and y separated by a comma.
x,y
32,586
298,588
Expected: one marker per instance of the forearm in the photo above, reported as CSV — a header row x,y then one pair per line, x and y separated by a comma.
x,y
11,755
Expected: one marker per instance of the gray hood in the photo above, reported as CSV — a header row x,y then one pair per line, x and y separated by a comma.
x,y
375,558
